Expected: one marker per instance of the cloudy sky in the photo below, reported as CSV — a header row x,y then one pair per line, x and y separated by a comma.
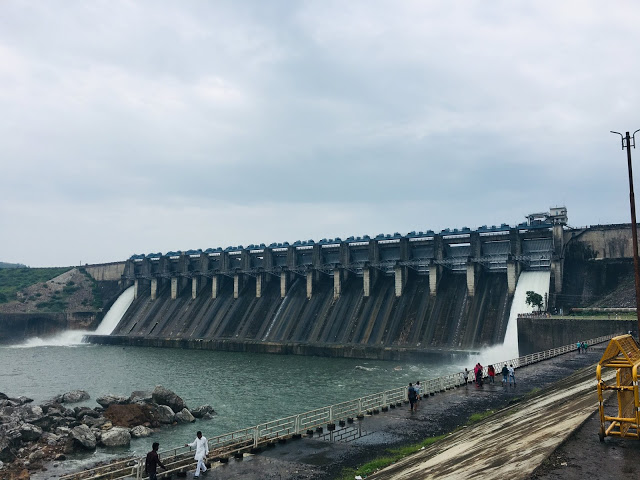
x,y
143,126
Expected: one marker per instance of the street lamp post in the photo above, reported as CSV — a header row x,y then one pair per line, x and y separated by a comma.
x,y
629,141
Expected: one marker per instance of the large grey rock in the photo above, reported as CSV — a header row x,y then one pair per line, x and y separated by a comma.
x,y
36,456
7,452
29,432
141,431
82,411
62,431
75,396
164,414
92,421
50,439
184,416
204,411
116,437
140,396
164,396
83,437
112,399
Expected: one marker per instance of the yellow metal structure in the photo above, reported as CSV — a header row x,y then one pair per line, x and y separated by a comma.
x,y
623,354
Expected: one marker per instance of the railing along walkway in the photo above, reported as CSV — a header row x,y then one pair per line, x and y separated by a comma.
x,y
249,439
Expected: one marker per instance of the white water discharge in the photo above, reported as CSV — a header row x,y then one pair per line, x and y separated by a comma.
x,y
537,281
70,338
115,313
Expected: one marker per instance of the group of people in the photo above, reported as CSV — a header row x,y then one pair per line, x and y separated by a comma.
x,y
201,445
508,375
582,347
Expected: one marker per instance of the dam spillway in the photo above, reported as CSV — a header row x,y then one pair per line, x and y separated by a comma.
x,y
423,292
416,320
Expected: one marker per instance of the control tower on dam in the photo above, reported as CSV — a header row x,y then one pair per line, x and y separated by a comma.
x,y
362,296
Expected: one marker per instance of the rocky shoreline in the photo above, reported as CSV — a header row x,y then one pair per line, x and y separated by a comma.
x,y
32,435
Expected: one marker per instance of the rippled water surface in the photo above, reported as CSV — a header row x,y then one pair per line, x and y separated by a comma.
x,y
245,389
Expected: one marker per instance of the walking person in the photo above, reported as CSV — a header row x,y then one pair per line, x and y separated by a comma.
x,y
418,388
202,450
505,374
152,461
512,375
465,375
411,394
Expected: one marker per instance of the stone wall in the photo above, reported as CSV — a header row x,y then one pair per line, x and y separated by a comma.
x,y
539,334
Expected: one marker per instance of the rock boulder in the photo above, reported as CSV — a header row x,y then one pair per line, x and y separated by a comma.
x,y
83,437
110,399
141,431
29,432
140,396
75,396
164,414
116,437
204,411
184,416
128,415
164,396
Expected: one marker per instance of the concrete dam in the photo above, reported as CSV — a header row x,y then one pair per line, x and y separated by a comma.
x,y
381,297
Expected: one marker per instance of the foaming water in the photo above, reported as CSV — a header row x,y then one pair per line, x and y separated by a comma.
x,y
115,313
71,338
534,281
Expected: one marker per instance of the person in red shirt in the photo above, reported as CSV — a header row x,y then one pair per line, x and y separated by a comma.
x,y
152,462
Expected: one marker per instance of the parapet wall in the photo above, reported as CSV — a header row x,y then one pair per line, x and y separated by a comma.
x,y
106,271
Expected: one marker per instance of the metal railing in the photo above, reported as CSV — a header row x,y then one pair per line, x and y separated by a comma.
x,y
252,438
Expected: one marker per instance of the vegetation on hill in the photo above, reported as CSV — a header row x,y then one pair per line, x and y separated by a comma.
x,y
14,280
11,265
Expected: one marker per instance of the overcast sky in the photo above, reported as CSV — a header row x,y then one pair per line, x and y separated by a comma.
x,y
144,126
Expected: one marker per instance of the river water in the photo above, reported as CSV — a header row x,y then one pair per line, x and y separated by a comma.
x,y
245,389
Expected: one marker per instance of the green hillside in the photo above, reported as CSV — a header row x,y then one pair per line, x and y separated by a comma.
x,y
13,280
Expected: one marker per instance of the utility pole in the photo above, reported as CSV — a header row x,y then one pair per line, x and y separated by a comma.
x,y
629,141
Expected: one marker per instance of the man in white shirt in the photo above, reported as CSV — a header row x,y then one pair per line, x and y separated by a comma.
x,y
202,450
512,375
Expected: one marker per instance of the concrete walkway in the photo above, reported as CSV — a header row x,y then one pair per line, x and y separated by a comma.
x,y
510,444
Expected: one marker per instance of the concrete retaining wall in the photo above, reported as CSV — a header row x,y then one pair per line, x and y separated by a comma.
x,y
15,327
539,334
606,241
